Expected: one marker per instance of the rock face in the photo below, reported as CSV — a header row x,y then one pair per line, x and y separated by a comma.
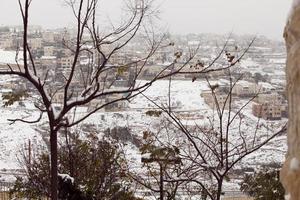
x,y
290,173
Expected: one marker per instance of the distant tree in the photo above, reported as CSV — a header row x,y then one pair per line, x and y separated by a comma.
x,y
94,168
263,185
258,77
4,29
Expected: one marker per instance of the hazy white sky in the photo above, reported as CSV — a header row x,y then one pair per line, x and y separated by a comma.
x,y
266,17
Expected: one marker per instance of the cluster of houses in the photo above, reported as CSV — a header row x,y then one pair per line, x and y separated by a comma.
x,y
267,102
53,57
52,52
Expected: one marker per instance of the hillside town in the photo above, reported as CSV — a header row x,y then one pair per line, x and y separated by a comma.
x,y
258,76
262,66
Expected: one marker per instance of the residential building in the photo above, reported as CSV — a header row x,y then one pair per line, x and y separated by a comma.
x,y
271,106
35,43
49,50
66,62
267,111
244,89
220,99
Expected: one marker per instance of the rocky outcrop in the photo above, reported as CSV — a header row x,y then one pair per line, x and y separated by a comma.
x,y
290,173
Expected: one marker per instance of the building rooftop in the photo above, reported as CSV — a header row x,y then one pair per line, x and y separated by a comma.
x,y
9,57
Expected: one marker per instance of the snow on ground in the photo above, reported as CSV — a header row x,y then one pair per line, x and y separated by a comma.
x,y
9,57
275,150
248,62
14,137
185,96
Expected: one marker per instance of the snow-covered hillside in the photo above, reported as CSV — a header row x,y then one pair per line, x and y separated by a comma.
x,y
185,98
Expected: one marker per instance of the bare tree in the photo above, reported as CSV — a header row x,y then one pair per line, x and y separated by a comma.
x,y
210,149
93,82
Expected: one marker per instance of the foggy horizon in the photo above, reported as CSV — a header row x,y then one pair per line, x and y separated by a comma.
x,y
263,17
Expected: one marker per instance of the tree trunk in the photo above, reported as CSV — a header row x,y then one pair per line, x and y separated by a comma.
x,y
54,170
290,173
161,183
219,191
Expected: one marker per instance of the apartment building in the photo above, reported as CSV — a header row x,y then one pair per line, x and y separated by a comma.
x,y
267,111
49,50
244,89
35,43
66,62
270,106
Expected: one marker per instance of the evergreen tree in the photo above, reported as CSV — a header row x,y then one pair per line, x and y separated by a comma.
x,y
91,169
263,185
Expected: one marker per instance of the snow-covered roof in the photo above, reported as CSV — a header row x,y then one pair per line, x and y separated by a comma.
x,y
193,42
248,62
48,57
278,81
85,61
9,57
220,82
278,60
265,85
